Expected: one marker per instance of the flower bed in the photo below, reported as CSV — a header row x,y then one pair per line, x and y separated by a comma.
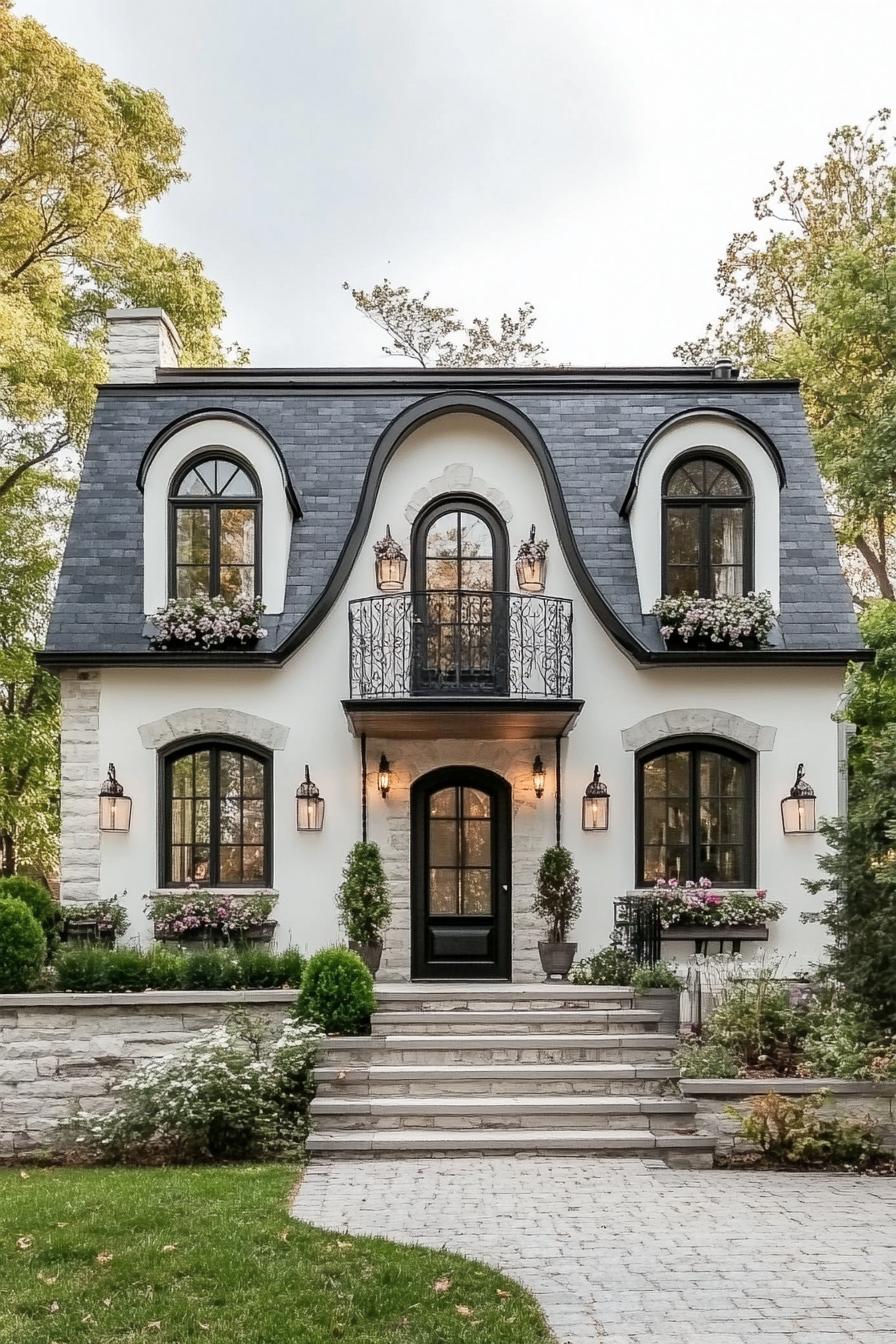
x,y
208,917
692,621
696,903
209,623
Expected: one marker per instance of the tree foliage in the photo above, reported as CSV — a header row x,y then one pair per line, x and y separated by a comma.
x,y
437,337
859,876
81,156
810,292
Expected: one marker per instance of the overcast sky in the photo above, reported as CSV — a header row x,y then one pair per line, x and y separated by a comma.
x,y
591,157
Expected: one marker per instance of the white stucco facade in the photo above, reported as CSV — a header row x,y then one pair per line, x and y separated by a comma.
x,y
128,714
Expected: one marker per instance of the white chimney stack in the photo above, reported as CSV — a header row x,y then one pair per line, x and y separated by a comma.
x,y
140,341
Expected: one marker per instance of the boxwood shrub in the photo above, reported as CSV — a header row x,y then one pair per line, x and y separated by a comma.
x,y
23,947
337,992
92,969
35,895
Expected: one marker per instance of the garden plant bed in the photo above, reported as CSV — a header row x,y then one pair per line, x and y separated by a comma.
x,y
162,1254
883,1166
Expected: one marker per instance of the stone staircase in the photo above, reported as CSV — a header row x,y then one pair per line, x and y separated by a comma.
x,y
499,1068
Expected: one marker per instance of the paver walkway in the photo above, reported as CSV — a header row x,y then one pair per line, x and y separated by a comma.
x,y
625,1252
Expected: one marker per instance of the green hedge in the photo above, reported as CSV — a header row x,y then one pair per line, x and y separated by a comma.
x,y
114,970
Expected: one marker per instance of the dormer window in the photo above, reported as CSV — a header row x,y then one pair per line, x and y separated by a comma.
x,y
707,528
215,533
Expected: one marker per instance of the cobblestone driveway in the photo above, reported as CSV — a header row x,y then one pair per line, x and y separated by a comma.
x,y
626,1253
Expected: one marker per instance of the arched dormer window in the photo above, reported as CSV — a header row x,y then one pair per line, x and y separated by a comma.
x,y
707,527
215,529
459,574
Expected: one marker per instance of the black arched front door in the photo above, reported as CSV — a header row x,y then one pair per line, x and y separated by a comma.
x,y
460,875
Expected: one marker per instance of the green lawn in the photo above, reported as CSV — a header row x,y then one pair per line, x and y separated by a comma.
x,y
190,1254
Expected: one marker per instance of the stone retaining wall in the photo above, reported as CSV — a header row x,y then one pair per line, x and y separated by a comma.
x,y
857,1100
62,1051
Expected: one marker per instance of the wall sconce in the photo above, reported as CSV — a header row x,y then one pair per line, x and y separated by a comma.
x,y
798,809
384,776
538,776
596,805
115,805
391,564
309,806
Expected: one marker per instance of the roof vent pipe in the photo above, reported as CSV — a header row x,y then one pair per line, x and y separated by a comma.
x,y
723,368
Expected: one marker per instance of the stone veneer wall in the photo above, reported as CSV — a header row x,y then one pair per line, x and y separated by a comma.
x,y
82,776
62,1051
532,827
856,1100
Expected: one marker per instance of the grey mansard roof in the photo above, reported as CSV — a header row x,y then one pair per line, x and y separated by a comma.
x,y
593,424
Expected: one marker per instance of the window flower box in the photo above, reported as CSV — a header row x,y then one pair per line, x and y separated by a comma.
x,y
211,919
209,623
690,621
717,914
93,922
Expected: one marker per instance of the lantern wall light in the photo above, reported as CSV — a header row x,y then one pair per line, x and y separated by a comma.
x,y
384,776
531,564
115,805
798,808
391,564
596,805
309,805
538,776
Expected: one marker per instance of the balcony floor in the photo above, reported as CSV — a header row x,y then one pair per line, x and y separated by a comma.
x,y
489,718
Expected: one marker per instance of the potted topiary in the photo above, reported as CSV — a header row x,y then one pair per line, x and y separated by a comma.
x,y
559,902
363,901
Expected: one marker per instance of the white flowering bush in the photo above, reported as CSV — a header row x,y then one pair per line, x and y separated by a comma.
x,y
208,623
727,621
235,1091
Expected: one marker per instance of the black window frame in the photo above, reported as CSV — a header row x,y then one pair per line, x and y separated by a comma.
x,y
704,505
214,503
694,745
214,745
459,503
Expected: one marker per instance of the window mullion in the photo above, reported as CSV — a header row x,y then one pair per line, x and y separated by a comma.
x,y
214,578
214,816
695,814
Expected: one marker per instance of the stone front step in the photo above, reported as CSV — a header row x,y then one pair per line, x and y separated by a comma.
x,y
420,997
676,1149
473,1021
487,1112
399,1080
515,1048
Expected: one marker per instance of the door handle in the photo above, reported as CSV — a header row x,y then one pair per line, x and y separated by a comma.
x,y
504,886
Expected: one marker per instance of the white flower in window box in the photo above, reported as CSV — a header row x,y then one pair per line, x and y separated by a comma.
x,y
689,621
209,623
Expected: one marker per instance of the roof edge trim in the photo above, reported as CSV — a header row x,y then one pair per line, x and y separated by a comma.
x,y
696,413
218,413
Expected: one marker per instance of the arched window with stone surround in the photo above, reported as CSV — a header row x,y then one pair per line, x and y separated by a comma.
x,y
695,804
215,529
216,825
707,526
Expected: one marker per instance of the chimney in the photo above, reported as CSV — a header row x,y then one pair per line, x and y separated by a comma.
x,y
140,340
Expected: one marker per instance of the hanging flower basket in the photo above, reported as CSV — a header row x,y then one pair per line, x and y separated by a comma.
x,y
209,623
690,621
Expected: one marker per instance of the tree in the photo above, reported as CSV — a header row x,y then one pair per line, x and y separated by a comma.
x,y
81,155
811,293
436,337
860,876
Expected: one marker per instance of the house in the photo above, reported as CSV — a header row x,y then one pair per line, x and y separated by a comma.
x,y
457,719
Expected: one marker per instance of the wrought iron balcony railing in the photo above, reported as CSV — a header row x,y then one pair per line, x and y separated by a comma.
x,y
446,642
